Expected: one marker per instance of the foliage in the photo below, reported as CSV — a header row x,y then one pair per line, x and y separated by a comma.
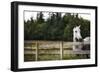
x,y
55,27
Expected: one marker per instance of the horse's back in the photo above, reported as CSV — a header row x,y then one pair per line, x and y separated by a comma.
x,y
86,46
87,39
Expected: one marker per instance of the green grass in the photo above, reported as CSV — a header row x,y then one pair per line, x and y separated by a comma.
x,y
47,57
29,57
71,56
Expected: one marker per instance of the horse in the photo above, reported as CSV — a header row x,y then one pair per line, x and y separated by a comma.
x,y
81,42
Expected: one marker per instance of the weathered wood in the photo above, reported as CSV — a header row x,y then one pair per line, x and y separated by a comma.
x,y
58,47
56,42
57,52
37,47
61,50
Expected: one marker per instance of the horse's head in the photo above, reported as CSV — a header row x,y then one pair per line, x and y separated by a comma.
x,y
77,34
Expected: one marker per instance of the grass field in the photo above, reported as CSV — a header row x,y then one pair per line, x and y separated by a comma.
x,y
47,57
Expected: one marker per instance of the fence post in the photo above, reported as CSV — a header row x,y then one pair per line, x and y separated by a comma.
x,y
37,47
61,50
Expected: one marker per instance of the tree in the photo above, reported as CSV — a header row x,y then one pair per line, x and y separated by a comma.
x,y
55,27
68,33
40,17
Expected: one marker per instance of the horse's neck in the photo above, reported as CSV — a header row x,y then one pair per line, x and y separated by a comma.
x,y
74,40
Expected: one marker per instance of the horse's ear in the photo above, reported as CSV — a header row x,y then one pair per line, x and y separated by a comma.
x,y
79,26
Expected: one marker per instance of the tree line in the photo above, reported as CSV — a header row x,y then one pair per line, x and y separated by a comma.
x,y
55,27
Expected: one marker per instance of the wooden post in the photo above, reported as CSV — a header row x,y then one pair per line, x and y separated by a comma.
x,y
61,50
32,50
37,47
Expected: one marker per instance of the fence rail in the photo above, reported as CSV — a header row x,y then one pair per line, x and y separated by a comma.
x,y
57,52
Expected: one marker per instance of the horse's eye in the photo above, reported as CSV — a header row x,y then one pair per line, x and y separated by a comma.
x,y
76,31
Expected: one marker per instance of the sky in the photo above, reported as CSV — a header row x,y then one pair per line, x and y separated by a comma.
x,y
28,15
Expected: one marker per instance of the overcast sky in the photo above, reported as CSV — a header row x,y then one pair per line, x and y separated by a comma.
x,y
28,15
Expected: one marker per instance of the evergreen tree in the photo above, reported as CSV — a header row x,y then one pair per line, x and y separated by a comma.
x,y
55,27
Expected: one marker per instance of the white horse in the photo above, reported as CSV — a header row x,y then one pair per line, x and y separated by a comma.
x,y
78,38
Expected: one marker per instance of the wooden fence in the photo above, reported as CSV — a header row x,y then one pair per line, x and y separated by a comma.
x,y
46,45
